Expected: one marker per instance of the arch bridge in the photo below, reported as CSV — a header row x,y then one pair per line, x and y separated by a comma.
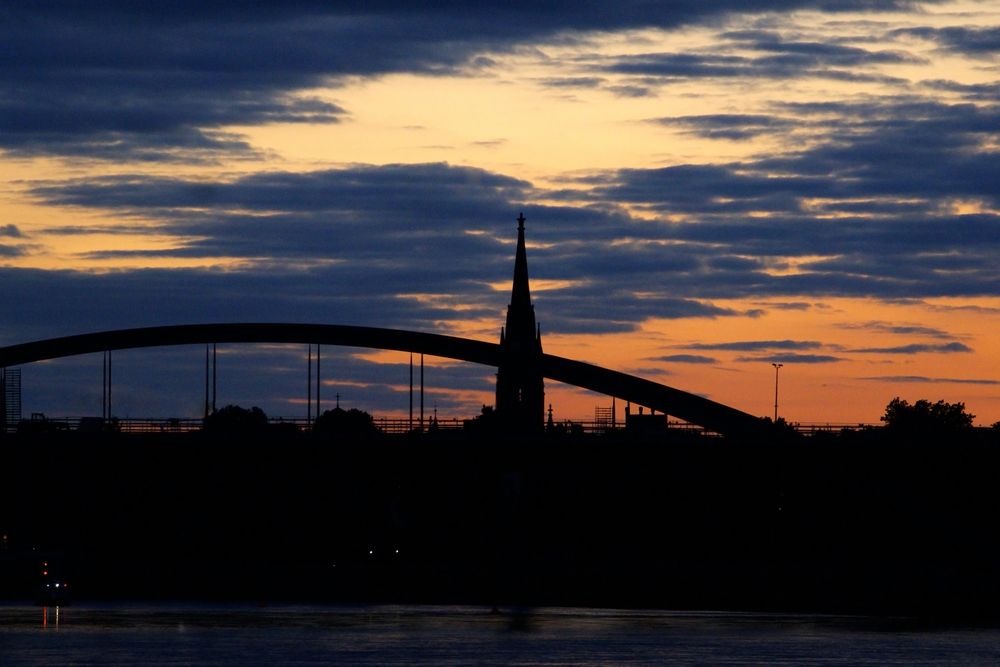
x,y
689,407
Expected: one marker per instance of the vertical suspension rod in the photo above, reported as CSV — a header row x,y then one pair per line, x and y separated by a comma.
x,y
309,387
215,366
104,385
109,385
206,381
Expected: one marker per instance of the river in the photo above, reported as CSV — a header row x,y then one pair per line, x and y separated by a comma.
x,y
164,634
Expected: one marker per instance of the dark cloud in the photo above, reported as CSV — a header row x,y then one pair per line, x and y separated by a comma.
x,y
708,189
11,251
866,211
647,372
772,57
490,143
376,229
155,81
897,328
809,54
95,302
792,358
386,221
682,65
751,345
917,348
977,42
12,231
966,308
586,311
869,206
329,191
631,91
979,92
572,82
686,359
873,152
790,305
729,126
910,149
920,379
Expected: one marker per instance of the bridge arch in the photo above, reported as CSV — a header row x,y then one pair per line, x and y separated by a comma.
x,y
689,407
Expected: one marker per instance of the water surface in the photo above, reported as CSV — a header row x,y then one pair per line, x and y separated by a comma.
x,y
129,634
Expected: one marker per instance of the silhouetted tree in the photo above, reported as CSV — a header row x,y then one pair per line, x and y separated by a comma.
x,y
350,423
234,419
782,428
485,422
926,418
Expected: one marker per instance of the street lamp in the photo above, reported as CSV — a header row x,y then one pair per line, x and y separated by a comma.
x,y
776,367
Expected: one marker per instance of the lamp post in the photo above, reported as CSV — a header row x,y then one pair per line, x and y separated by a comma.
x,y
776,367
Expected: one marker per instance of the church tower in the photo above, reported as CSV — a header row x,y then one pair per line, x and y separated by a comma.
x,y
520,401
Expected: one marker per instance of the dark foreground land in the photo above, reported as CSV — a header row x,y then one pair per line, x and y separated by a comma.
x,y
851,523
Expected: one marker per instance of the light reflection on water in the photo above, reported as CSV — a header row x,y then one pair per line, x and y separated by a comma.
x,y
129,634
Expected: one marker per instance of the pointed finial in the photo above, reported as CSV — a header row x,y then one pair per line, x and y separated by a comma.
x,y
520,222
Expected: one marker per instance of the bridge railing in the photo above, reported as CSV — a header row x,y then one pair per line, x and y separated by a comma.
x,y
399,426
390,425
812,428
387,425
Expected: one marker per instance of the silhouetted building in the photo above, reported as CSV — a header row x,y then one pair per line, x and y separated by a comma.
x,y
520,389
645,424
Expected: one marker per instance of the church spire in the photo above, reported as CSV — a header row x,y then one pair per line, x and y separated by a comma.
x,y
520,295
520,312
520,388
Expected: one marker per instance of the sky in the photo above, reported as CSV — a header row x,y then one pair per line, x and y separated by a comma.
x,y
710,187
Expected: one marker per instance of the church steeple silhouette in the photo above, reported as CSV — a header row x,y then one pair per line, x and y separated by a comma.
x,y
520,389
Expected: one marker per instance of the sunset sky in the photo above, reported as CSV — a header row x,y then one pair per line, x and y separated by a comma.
x,y
709,187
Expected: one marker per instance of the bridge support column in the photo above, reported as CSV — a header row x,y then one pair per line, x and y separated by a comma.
x,y
211,378
106,388
318,382
310,417
206,381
